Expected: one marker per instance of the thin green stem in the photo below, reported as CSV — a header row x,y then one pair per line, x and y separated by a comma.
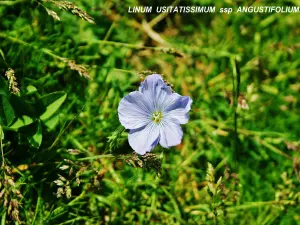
x,y
36,209
12,3
246,205
171,51
111,28
161,16
115,69
21,42
1,146
235,96
259,204
274,149
104,156
3,219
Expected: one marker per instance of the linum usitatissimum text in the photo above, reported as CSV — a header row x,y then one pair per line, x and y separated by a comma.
x,y
213,9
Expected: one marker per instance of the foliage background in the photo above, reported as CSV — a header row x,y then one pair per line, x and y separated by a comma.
x,y
59,167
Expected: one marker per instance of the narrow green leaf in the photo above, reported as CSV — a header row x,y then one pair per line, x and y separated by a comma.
x,y
7,110
30,90
22,122
2,54
52,122
21,106
3,87
52,102
36,139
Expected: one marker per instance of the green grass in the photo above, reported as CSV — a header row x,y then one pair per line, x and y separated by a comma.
x,y
63,128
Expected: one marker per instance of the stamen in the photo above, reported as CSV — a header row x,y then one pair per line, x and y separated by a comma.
x,y
156,116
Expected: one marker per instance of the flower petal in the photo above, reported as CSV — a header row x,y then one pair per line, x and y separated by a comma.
x,y
155,90
170,133
134,112
177,108
151,82
144,139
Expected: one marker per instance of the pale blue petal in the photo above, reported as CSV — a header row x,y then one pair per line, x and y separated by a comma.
x,y
144,139
152,81
134,112
170,133
155,90
177,108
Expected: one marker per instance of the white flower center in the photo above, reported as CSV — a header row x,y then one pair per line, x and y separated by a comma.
x,y
156,116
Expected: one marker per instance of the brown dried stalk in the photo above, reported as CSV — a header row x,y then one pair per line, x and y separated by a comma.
x,y
13,85
79,68
69,6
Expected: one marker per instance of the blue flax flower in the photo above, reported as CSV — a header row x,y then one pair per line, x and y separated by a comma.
x,y
153,115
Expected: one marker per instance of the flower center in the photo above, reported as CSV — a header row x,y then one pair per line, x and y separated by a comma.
x,y
156,116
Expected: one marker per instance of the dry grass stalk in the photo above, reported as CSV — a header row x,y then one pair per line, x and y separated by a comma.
x,y
79,68
10,194
13,85
69,6
53,14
